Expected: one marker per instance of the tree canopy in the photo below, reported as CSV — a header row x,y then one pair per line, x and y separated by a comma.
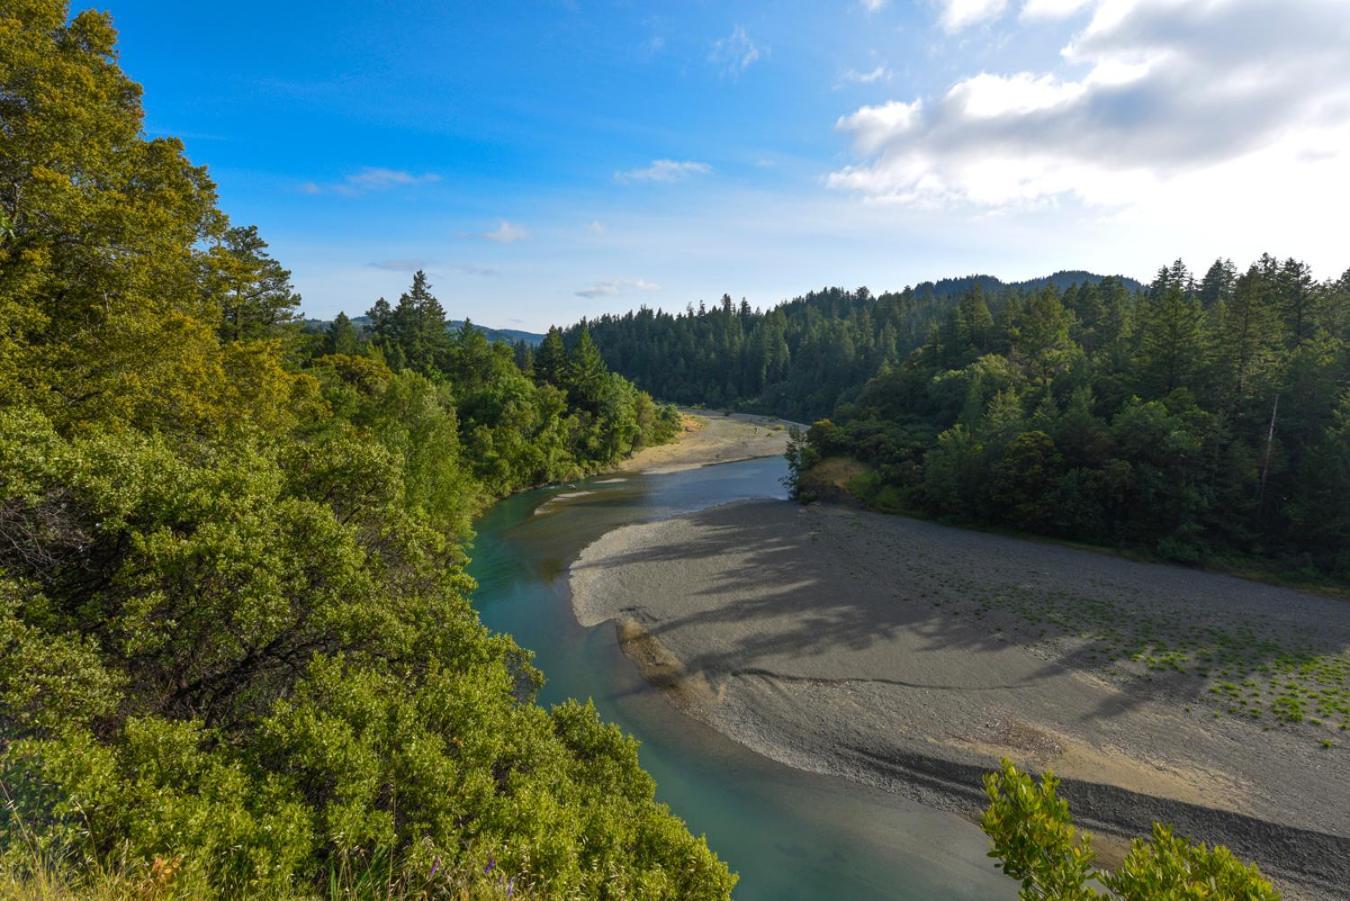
x,y
1201,419
237,657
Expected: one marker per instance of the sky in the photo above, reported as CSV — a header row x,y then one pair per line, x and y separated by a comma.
x,y
549,160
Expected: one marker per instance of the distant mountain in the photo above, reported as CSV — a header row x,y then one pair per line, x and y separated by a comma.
x,y
954,287
509,335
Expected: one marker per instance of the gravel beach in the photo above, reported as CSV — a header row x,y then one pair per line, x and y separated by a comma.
x,y
913,656
710,438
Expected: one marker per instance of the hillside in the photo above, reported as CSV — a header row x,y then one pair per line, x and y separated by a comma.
x,y
507,335
801,358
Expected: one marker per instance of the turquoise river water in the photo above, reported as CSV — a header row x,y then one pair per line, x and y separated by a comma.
x,y
790,834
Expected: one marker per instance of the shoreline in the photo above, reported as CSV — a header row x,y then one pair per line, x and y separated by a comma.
x,y
708,439
818,637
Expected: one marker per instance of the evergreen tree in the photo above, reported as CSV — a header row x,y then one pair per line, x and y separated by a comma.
x,y
1218,284
586,372
1170,332
341,337
550,360
256,292
1248,335
1298,301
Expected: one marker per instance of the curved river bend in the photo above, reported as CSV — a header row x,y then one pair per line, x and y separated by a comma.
x,y
790,834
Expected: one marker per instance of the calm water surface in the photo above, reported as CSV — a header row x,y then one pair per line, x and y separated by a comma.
x,y
789,834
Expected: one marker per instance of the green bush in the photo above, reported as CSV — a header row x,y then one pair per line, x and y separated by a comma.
x,y
1037,844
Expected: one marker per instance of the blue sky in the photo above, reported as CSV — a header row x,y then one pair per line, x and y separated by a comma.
x,y
548,160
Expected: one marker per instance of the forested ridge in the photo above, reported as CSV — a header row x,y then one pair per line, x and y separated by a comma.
x,y
795,360
1200,417
236,652
362,325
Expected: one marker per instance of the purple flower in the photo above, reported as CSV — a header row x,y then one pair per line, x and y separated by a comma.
x,y
511,887
492,862
435,868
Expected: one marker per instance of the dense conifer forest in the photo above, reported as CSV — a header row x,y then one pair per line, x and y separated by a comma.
x,y
1200,417
237,657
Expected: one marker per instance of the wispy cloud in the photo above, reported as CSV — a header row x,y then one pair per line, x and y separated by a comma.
x,y
615,287
506,232
872,5
880,73
736,52
408,265
663,170
596,227
475,269
371,178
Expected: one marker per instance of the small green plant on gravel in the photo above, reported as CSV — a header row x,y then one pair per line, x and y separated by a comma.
x,y
1289,678
1036,842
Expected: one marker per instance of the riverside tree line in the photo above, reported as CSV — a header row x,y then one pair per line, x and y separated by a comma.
x,y
236,652
1203,416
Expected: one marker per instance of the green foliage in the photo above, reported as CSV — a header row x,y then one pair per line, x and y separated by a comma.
x,y
237,657
1034,838
1191,420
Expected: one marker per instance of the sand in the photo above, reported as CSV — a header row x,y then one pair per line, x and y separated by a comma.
x,y
913,656
710,438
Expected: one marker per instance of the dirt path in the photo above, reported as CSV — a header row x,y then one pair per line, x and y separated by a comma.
x,y
912,655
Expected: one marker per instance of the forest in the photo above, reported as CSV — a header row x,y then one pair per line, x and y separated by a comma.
x,y
237,656
1201,418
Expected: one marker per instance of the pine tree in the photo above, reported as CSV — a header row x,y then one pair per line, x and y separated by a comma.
x,y
1170,336
256,292
1248,334
1218,284
341,337
586,372
1298,301
974,322
418,325
550,360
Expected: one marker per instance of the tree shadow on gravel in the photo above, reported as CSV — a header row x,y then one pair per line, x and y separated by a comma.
x,y
797,592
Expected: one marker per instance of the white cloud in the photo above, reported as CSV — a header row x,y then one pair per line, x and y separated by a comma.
x,y
506,233
873,5
880,73
1052,9
596,227
371,178
873,127
736,52
959,14
615,287
1168,95
663,170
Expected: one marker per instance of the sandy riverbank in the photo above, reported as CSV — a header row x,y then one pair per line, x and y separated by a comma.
x,y
710,438
912,656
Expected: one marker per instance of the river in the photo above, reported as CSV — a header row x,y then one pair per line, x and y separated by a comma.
x,y
790,834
